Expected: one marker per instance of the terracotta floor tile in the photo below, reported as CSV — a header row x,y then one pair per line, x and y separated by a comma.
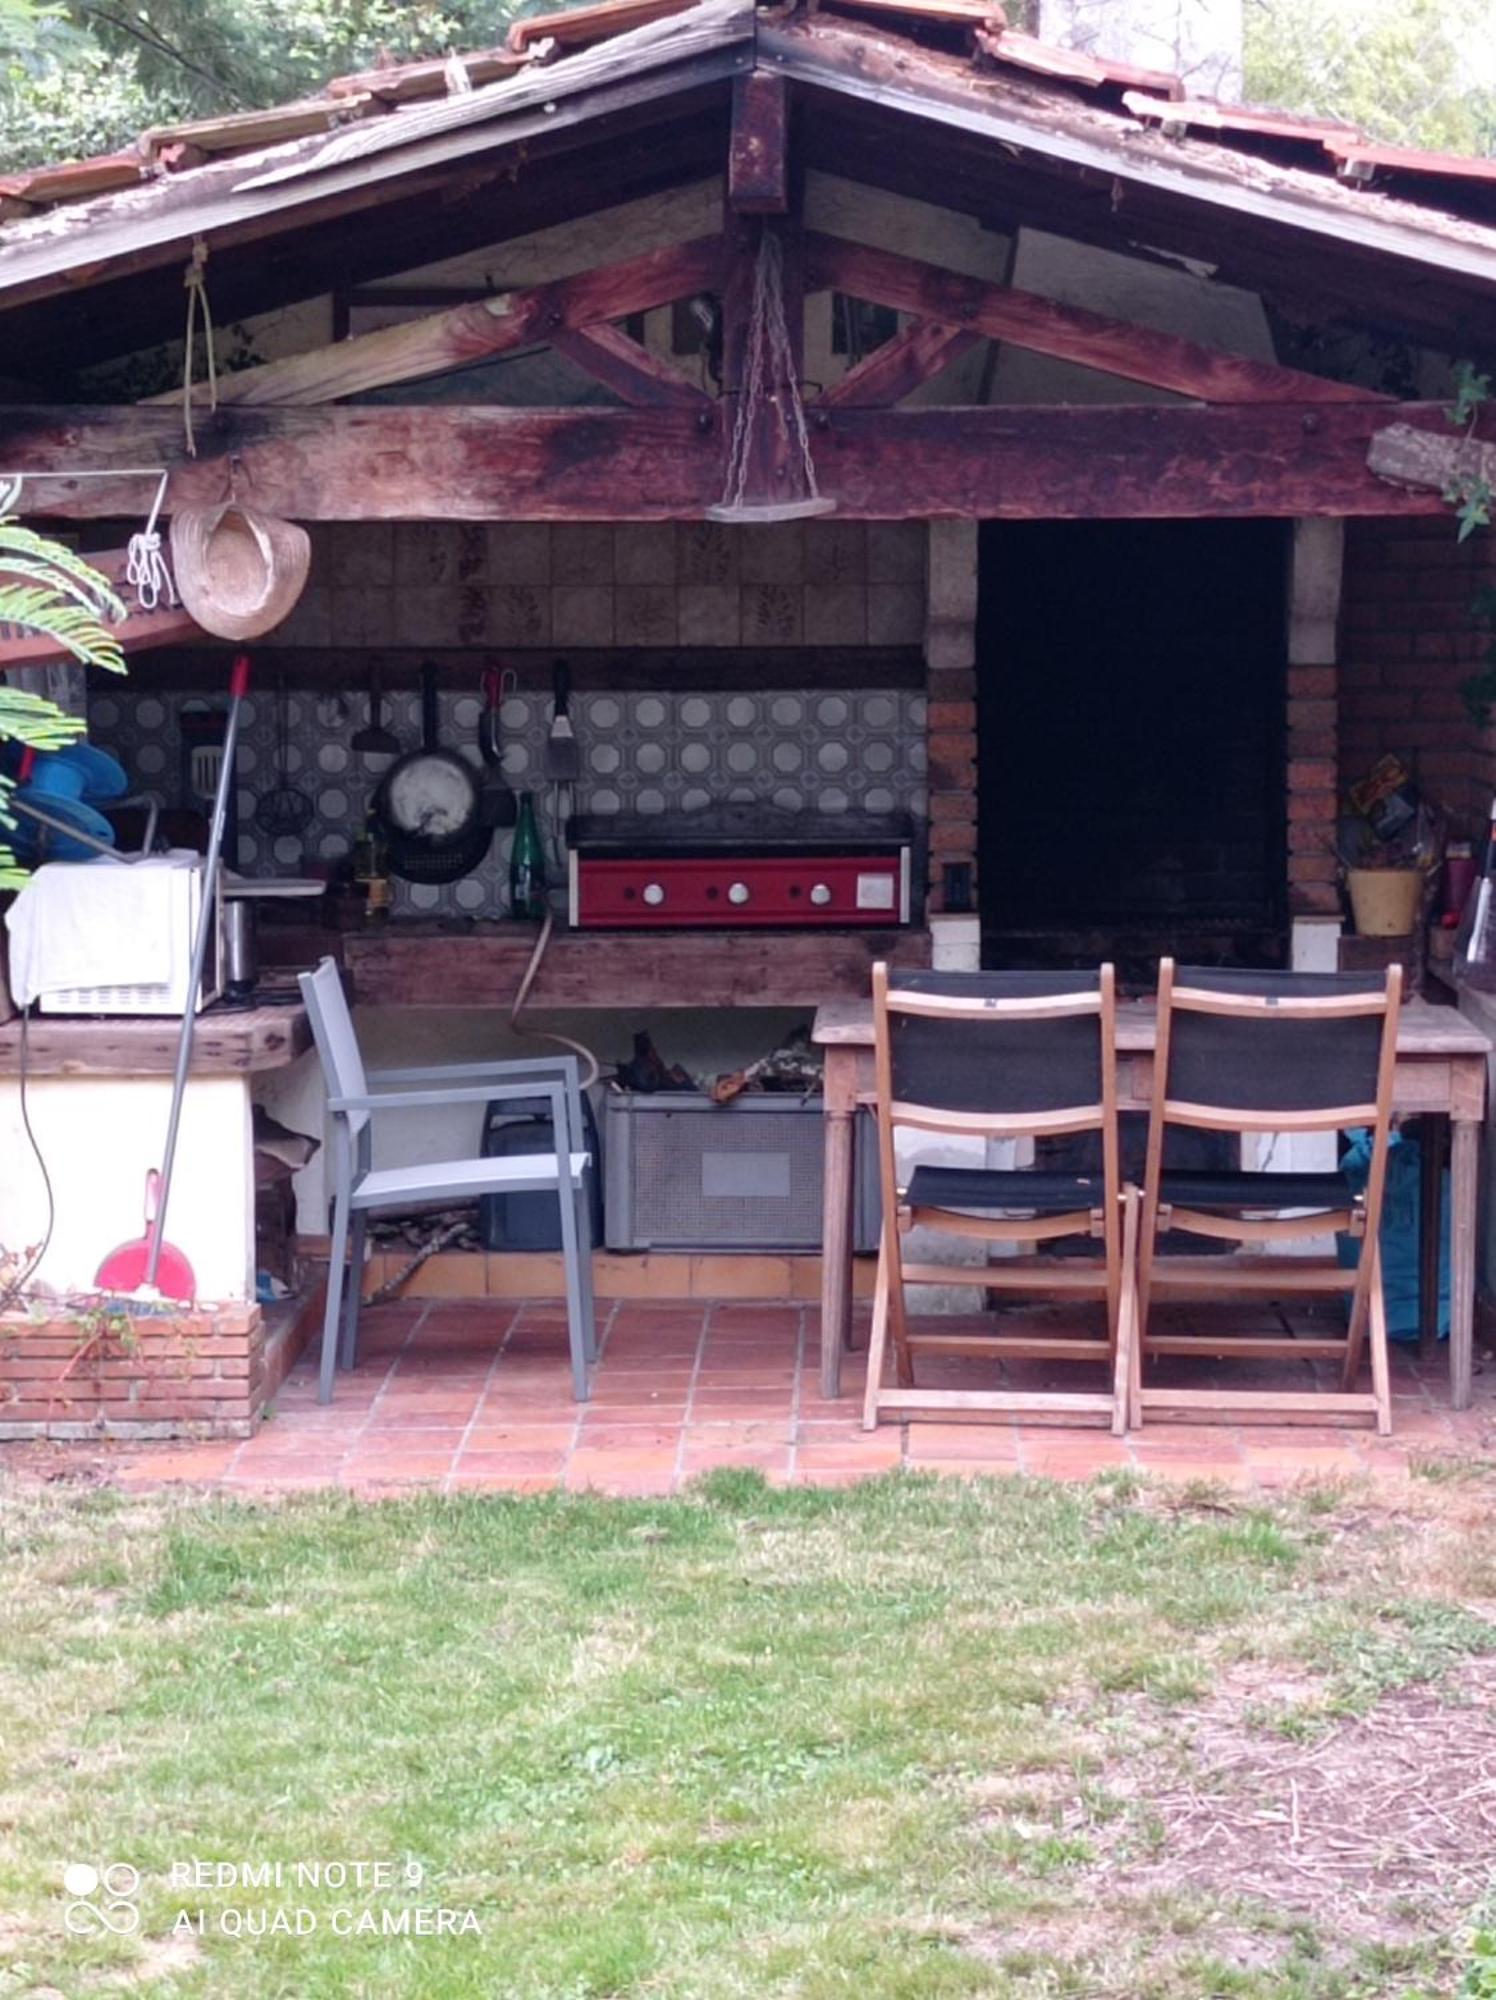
x,y
398,1464
539,1464
615,1438
503,1482
489,1434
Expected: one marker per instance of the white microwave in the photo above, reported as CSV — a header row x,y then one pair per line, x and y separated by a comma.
x,y
180,893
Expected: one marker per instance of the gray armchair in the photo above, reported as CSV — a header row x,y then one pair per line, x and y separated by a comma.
x,y
357,1098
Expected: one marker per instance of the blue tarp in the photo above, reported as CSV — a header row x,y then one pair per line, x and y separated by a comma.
x,y
1401,1205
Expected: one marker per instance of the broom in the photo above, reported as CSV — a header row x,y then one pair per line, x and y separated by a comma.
x,y
133,1272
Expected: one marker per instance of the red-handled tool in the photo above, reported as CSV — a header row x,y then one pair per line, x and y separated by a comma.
x,y
166,1271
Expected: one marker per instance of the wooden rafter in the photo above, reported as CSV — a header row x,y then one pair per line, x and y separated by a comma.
x,y
915,354
610,357
476,332
140,630
1068,333
758,174
456,462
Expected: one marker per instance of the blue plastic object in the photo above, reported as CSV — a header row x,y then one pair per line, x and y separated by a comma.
x,y
1402,1205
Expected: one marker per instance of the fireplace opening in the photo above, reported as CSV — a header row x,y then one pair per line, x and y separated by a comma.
x,y
1131,684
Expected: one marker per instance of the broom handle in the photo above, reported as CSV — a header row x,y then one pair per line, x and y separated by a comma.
x,y
238,687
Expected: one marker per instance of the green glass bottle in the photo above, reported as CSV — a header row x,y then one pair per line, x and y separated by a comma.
x,y
527,866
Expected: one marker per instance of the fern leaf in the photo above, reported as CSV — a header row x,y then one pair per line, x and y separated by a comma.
x,y
71,628
70,571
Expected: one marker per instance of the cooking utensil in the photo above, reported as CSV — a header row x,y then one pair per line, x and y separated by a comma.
x,y
122,1270
283,809
563,755
496,803
374,740
427,806
241,960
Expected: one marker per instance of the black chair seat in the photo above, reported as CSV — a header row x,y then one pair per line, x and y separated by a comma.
x,y
991,1188
1235,1192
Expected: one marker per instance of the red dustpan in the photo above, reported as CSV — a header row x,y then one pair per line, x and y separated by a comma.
x,y
125,1269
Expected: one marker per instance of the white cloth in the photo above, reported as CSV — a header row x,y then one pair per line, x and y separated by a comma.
x,y
93,923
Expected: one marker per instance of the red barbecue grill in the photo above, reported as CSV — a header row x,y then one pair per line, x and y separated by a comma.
x,y
733,867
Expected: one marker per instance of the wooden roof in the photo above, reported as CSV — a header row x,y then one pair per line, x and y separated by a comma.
x,y
983,117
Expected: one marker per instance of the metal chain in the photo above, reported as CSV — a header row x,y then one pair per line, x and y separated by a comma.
x,y
768,352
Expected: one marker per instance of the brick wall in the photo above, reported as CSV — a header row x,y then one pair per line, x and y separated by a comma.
x,y
1406,645
195,1374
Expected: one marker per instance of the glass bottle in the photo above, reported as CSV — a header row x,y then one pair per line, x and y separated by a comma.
x,y
371,869
527,900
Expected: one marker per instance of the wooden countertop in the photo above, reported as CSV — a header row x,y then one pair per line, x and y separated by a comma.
x,y
225,1042
1422,1029
417,964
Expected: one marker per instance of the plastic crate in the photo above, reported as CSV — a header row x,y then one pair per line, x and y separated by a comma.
x,y
683,1173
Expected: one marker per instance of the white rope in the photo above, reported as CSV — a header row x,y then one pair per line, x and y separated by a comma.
x,y
145,565
195,279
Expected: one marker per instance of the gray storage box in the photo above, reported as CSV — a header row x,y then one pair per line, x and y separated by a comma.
x,y
683,1173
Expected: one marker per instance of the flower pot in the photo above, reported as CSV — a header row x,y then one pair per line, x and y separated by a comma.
x,y
1384,901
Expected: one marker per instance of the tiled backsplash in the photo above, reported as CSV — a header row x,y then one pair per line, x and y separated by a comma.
x,y
644,584
676,752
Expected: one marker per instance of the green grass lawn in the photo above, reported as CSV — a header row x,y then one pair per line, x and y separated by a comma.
x,y
912,1738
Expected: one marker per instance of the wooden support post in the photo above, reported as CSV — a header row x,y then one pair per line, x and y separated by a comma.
x,y
1464,1178
758,178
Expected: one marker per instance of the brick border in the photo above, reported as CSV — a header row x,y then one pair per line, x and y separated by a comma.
x,y
203,1374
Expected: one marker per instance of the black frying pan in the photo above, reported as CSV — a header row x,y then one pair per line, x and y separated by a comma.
x,y
427,806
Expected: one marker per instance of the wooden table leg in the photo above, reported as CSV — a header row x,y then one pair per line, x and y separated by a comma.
x,y
836,1248
840,1105
1433,1137
1463,1178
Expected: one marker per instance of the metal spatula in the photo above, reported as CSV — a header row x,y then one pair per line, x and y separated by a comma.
x,y
563,755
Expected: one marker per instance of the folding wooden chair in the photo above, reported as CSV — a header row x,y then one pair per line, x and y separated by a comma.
x,y
1244,1052
1001,1055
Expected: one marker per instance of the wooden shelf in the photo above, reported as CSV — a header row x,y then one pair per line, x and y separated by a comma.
x,y
225,1042
412,964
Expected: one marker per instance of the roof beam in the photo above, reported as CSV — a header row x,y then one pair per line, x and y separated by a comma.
x,y
915,354
1068,333
477,463
610,357
479,331
758,170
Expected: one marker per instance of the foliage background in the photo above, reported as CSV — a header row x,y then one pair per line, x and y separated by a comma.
x,y
83,76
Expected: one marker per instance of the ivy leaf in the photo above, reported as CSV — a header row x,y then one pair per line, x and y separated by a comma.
x,y
1471,390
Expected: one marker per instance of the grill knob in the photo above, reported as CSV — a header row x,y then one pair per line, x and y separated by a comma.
x,y
820,894
654,894
738,893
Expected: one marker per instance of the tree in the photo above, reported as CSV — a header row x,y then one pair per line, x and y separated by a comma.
x,y
1411,72
48,590
82,76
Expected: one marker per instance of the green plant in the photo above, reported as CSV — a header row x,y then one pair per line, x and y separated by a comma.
x,y
1479,1982
47,589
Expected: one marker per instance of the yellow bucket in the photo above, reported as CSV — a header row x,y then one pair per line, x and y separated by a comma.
x,y
1384,901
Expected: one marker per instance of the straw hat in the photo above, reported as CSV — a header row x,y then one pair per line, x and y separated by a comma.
x,y
237,571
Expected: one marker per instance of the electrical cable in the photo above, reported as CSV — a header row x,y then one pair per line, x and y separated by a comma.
x,y
594,1067
18,1285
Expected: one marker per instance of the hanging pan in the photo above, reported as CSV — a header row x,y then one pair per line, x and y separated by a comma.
x,y
427,806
